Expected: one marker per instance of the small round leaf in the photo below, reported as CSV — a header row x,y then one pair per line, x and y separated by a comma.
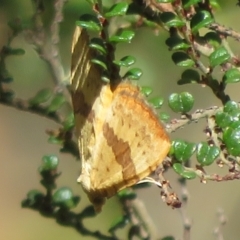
x,y
183,150
230,107
146,90
177,43
56,103
213,39
133,74
219,57
171,20
41,97
200,19
63,197
89,22
188,3
126,61
119,223
206,154
100,61
164,116
181,103
124,36
189,76
231,138
49,162
98,44
223,119
156,102
180,169
69,122
181,59
117,9
16,51
232,76
127,194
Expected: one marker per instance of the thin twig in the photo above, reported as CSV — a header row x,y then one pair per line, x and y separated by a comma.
x,y
175,124
222,222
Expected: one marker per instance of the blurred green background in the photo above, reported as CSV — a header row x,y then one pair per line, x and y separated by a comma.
x,y
23,139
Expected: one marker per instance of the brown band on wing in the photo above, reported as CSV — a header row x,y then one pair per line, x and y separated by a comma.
x,y
121,151
81,107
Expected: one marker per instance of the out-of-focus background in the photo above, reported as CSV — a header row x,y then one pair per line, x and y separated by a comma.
x,y
23,140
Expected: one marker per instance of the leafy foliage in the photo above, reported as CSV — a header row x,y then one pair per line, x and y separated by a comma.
x,y
198,44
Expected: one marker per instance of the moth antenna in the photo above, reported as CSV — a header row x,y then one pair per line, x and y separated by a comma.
x,y
150,180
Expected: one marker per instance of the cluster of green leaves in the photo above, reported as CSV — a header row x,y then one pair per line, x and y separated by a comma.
x,y
43,97
185,23
189,45
50,203
228,122
102,45
49,103
58,203
7,95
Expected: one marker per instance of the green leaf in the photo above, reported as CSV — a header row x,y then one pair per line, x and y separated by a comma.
x,y
105,77
7,96
133,74
88,211
181,59
219,57
164,116
223,119
213,39
168,238
125,36
64,198
16,51
118,9
206,154
69,122
156,102
126,194
100,61
126,61
58,100
176,43
235,124
200,19
90,22
189,76
119,223
183,150
55,140
231,138
171,20
215,4
41,97
188,3
34,197
230,107
231,76
181,103
49,162
98,44
230,116
5,76
146,90
180,169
